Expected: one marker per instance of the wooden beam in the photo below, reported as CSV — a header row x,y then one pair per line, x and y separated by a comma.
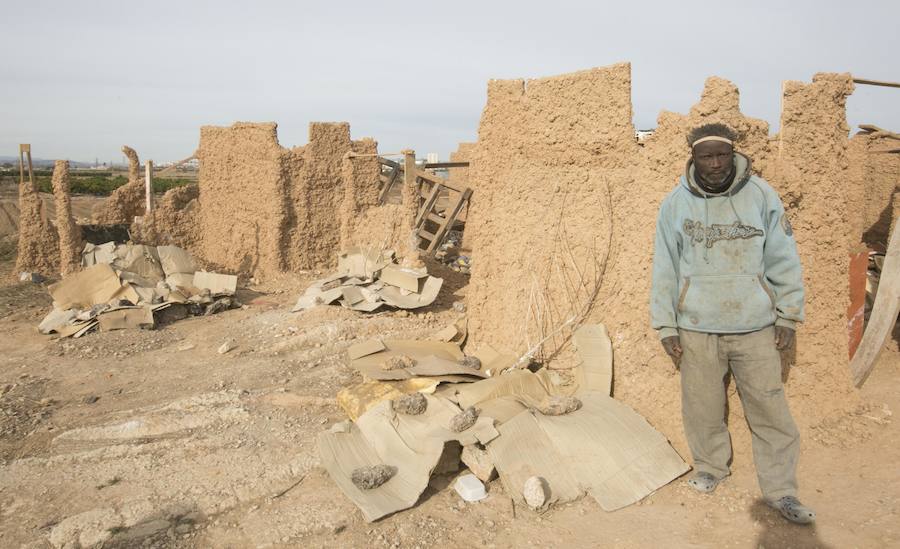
x,y
428,176
883,317
876,83
387,162
439,165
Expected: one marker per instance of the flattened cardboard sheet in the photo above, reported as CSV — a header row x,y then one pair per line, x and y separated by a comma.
x,y
406,279
363,263
413,444
175,260
126,317
595,349
92,286
393,296
216,283
606,448
365,348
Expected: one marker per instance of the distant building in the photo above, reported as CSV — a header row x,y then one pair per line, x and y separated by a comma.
x,y
641,135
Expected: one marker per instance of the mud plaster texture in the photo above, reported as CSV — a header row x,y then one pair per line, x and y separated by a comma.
x,y
126,202
567,199
876,176
38,247
173,221
364,223
70,241
265,209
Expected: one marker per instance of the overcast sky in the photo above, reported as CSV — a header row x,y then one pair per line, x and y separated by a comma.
x,y
80,79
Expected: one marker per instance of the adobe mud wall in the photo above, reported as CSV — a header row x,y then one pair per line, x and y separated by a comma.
x,y
38,247
265,209
877,176
173,221
70,242
567,200
364,223
127,201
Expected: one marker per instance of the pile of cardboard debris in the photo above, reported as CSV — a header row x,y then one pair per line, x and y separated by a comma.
x,y
134,286
425,408
367,280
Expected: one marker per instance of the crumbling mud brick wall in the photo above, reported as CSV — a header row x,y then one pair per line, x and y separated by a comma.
x,y
550,153
265,209
70,241
317,196
127,201
364,223
38,248
811,174
463,153
876,175
244,202
567,198
173,221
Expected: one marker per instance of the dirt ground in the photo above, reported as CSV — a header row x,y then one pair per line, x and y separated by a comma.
x,y
153,439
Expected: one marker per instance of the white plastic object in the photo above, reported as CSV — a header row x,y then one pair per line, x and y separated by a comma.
x,y
470,488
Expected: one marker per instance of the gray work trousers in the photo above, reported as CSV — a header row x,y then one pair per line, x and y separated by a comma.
x,y
756,366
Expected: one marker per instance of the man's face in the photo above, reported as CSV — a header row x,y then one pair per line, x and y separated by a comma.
x,y
713,161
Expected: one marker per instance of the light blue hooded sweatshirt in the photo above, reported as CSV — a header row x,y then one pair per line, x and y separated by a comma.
x,y
724,262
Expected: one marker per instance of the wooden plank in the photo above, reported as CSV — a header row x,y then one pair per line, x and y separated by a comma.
x,y
426,235
386,189
883,317
442,165
429,204
448,220
435,217
437,179
876,83
390,163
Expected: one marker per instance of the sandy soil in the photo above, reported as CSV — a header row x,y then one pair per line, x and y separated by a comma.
x,y
153,439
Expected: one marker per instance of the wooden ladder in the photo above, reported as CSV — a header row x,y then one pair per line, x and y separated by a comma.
x,y
394,172
431,187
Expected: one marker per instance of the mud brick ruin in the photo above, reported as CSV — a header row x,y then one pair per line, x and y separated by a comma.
x,y
561,221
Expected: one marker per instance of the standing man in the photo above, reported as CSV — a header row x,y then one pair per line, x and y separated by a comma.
x,y
727,294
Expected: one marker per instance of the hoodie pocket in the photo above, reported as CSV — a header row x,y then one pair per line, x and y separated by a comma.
x,y
725,303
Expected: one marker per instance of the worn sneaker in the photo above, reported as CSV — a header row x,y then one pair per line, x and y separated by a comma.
x,y
791,509
703,482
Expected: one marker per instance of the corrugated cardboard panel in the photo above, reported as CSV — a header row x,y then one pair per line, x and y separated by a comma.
x,y
595,350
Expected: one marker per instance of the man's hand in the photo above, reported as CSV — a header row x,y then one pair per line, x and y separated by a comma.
x,y
672,346
784,338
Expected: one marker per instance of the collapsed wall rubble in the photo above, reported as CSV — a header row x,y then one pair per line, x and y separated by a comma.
x,y
565,215
126,202
70,241
266,209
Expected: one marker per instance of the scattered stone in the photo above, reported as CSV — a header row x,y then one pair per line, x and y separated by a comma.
x,y
227,346
398,362
470,362
37,278
479,462
90,399
411,405
372,476
559,405
535,492
459,306
186,346
463,420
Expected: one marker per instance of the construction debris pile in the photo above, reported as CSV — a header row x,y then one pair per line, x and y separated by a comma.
x,y
425,407
367,280
134,286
